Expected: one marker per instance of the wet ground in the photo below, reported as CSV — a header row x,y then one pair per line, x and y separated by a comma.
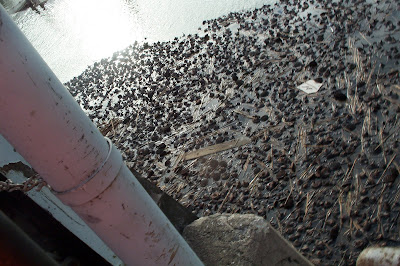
x,y
216,120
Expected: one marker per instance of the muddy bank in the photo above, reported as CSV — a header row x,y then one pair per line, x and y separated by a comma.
x,y
216,120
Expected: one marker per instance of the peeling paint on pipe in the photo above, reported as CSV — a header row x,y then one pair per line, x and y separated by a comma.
x,y
47,127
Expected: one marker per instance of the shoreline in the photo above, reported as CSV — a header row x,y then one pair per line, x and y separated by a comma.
x,y
322,168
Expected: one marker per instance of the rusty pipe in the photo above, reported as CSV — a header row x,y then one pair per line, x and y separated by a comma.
x,y
40,118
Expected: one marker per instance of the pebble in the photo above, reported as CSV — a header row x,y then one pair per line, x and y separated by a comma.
x,y
391,176
339,96
213,164
170,99
204,182
316,184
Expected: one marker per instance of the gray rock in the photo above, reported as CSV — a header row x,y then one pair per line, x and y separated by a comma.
x,y
372,256
240,239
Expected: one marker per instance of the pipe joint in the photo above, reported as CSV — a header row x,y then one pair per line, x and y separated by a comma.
x,y
97,181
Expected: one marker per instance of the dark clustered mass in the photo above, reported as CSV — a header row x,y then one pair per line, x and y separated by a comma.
x,y
216,120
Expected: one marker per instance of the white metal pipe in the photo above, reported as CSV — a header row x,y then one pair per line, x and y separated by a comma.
x,y
43,122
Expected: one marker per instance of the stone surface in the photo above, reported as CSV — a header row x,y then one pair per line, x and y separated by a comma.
x,y
374,256
240,239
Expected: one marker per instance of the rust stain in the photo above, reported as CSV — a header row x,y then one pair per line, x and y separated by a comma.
x,y
163,254
59,96
30,76
173,255
66,168
101,194
92,219
122,234
150,233
87,154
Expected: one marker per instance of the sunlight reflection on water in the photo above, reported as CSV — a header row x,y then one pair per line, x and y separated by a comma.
x,y
104,29
72,34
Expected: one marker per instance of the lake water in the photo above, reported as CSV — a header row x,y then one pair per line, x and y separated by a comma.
x,y
72,34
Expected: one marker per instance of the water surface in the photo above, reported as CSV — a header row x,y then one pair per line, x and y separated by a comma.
x,y
72,34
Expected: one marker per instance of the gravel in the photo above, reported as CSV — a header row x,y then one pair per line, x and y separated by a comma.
x,y
322,168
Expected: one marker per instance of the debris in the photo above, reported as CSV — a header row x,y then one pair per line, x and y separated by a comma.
x,y
311,86
216,148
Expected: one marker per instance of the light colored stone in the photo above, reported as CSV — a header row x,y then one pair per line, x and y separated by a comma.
x,y
377,256
240,239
